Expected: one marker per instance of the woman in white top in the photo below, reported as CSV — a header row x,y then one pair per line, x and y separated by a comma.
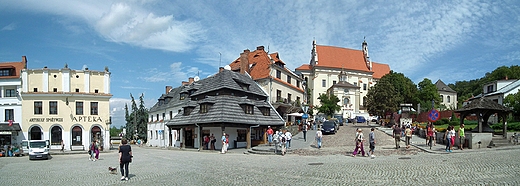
x,y
450,138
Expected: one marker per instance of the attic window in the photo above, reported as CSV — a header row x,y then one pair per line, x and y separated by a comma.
x,y
7,72
204,107
187,110
265,111
248,109
183,96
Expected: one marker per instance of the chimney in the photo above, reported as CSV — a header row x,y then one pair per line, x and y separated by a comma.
x,y
168,88
260,48
220,69
24,61
185,83
191,80
244,62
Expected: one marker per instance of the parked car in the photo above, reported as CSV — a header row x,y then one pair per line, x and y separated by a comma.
x,y
360,119
328,127
340,119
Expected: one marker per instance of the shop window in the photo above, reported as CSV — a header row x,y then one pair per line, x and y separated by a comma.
x,y
241,135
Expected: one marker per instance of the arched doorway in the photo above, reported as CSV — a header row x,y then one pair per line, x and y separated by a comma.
x,y
76,135
36,133
96,135
56,135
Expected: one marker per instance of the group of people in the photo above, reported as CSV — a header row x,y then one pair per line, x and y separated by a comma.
x,y
209,142
281,139
94,151
359,141
450,135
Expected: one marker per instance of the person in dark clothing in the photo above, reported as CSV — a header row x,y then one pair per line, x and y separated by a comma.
x,y
125,157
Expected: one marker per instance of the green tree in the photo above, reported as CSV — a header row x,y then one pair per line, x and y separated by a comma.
x,y
115,131
513,101
405,88
142,119
128,125
426,93
383,98
329,104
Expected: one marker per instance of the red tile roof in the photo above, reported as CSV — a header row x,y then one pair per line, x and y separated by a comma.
x,y
18,66
345,58
259,63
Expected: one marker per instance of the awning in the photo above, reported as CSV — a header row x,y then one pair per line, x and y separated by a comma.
x,y
296,114
6,127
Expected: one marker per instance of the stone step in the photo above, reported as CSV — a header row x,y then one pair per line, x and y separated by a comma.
x,y
263,151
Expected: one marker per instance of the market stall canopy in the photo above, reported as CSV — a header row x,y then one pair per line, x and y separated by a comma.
x,y
296,114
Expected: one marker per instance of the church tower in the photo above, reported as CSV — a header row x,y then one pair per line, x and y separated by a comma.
x,y
364,46
314,54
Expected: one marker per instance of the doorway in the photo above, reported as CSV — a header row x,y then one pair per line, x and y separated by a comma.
x,y
36,133
188,136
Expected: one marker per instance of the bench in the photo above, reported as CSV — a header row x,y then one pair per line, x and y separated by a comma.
x,y
77,147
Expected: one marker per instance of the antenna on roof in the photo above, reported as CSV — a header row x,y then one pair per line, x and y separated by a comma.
x,y
268,48
220,59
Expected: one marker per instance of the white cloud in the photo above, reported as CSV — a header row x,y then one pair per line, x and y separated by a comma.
x,y
130,22
177,72
9,27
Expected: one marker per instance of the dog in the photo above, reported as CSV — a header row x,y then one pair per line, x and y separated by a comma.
x,y
113,170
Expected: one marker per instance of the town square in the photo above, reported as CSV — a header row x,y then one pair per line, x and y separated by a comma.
x,y
162,92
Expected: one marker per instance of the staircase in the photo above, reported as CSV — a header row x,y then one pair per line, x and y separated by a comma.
x,y
499,141
265,150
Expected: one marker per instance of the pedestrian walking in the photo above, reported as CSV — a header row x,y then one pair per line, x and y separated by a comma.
x,y
270,133
397,136
408,136
462,137
319,137
359,143
283,143
372,141
288,137
92,151
429,133
304,130
62,146
125,157
225,142
449,136
206,142
212,141
276,139
97,150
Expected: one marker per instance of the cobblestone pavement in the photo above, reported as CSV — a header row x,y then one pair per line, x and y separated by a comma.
x,y
342,143
154,166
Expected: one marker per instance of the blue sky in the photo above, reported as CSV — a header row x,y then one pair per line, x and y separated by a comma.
x,y
149,44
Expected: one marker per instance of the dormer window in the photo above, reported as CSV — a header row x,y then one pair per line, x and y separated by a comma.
x,y
187,110
7,72
248,109
265,111
204,107
183,96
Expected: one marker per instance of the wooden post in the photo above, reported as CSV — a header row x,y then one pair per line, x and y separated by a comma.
x,y
504,117
248,138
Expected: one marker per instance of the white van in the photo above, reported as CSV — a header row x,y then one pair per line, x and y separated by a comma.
x,y
39,149
25,147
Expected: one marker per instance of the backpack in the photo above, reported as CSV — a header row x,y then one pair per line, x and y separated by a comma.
x,y
283,139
